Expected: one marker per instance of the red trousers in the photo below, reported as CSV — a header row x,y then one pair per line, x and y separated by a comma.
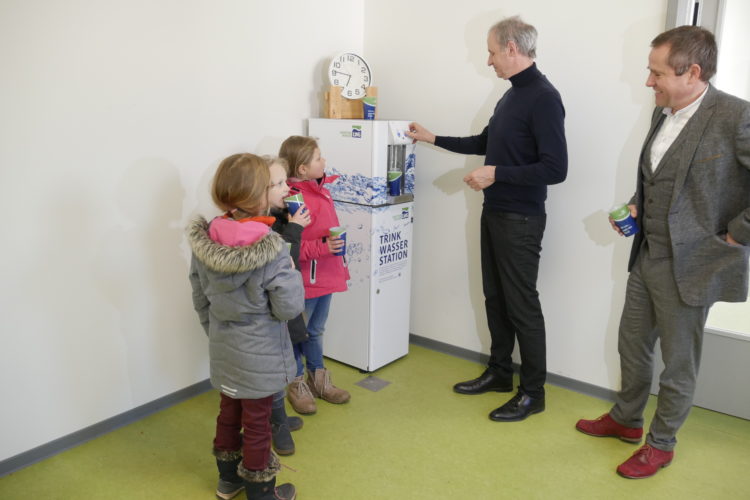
x,y
245,424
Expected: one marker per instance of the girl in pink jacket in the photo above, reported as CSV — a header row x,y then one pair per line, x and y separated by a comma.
x,y
323,273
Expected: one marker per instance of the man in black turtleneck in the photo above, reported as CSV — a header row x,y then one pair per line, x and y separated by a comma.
x,y
525,150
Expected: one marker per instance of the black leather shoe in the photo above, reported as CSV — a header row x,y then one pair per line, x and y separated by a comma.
x,y
487,381
518,408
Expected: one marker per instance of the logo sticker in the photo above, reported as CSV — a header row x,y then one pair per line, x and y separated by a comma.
x,y
404,214
356,132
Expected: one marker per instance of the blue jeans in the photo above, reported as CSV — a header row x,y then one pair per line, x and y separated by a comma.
x,y
316,314
278,400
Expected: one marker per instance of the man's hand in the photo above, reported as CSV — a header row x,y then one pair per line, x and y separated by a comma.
x,y
419,133
481,178
732,241
633,214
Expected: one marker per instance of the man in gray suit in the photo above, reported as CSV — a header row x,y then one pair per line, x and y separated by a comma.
x,y
692,204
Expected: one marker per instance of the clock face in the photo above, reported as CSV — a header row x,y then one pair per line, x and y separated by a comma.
x,y
350,71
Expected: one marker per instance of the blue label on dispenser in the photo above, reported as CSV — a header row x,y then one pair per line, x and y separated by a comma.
x,y
393,248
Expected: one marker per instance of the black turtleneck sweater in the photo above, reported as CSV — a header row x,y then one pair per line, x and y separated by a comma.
x,y
525,141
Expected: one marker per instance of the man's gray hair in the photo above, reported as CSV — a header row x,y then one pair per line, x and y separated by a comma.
x,y
513,29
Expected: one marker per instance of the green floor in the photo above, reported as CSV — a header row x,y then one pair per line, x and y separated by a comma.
x,y
413,439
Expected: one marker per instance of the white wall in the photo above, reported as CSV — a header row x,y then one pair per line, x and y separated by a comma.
x,y
430,65
114,117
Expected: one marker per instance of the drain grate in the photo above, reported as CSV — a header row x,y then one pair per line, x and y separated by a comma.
x,y
371,383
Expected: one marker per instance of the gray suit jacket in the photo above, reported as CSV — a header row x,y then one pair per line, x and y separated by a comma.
x,y
711,197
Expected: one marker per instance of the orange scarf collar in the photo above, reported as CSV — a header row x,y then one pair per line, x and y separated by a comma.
x,y
263,219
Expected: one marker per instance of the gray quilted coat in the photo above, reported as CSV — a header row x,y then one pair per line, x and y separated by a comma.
x,y
244,296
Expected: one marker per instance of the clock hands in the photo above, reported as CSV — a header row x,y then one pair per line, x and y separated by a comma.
x,y
348,79
357,78
347,74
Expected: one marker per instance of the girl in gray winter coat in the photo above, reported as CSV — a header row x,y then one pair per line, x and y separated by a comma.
x,y
245,289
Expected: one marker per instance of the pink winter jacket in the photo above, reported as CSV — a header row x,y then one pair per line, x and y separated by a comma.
x,y
322,272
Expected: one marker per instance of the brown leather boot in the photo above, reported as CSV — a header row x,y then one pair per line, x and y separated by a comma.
x,y
322,387
300,397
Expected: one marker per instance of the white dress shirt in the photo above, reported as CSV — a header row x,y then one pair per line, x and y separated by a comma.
x,y
671,128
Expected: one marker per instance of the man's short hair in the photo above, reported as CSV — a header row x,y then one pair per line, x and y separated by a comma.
x,y
690,45
513,29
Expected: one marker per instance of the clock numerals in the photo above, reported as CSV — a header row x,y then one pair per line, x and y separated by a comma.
x,y
351,72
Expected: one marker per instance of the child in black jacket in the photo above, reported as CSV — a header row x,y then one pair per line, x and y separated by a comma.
x,y
290,228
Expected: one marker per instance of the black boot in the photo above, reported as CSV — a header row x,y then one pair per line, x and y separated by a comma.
x,y
268,491
261,484
230,483
281,436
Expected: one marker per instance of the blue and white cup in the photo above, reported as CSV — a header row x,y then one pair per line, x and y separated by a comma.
x,y
394,182
621,216
341,233
294,203
368,107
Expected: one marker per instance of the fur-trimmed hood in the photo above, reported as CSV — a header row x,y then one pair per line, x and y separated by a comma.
x,y
227,259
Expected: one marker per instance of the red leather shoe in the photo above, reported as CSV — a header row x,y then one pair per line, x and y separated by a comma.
x,y
604,426
645,462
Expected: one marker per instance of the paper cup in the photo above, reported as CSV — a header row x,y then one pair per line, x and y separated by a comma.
x,y
294,203
368,107
621,215
341,233
394,182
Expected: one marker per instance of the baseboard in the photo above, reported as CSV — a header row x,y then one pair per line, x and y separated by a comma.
x,y
482,359
47,450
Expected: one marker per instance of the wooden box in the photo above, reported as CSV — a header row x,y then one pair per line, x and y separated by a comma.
x,y
337,106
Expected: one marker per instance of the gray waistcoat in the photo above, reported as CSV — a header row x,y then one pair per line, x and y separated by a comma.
x,y
657,192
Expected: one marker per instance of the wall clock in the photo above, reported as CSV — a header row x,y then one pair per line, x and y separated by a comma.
x,y
350,71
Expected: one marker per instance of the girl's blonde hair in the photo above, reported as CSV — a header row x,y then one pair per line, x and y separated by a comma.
x,y
276,160
240,183
298,150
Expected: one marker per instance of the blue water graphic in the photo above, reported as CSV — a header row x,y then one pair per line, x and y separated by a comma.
x,y
358,188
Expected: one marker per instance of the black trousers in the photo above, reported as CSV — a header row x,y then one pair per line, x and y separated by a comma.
x,y
511,246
